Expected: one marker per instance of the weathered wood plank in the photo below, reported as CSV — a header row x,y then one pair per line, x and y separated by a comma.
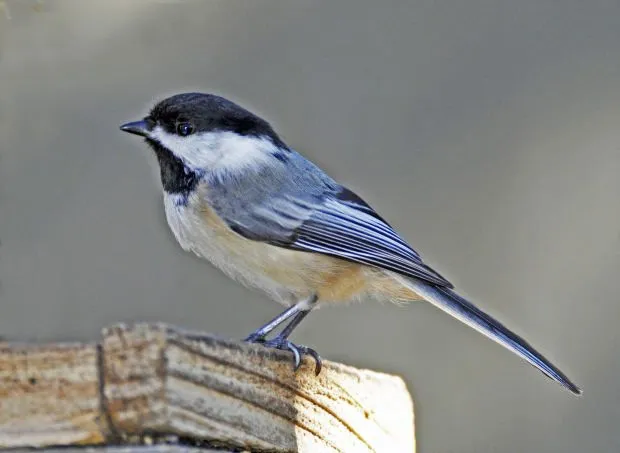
x,y
49,395
128,449
157,380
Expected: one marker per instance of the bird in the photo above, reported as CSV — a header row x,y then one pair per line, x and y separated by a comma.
x,y
237,195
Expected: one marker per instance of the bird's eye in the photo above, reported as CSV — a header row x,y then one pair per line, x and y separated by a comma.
x,y
184,129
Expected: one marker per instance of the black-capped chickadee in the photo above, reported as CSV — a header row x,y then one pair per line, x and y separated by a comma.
x,y
238,196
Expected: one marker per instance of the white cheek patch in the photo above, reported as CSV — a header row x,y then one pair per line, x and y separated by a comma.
x,y
196,151
239,152
218,152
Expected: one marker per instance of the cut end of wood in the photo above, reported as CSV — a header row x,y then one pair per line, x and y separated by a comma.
x,y
158,381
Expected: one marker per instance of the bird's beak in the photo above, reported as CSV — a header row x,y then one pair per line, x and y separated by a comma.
x,y
141,128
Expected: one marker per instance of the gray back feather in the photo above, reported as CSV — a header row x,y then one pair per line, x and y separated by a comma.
x,y
270,202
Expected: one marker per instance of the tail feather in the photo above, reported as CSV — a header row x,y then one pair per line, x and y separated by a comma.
x,y
459,307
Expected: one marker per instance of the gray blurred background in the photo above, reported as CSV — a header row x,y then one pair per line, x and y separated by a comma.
x,y
486,131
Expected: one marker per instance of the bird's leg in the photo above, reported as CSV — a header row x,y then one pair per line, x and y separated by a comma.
x,y
288,329
259,335
298,312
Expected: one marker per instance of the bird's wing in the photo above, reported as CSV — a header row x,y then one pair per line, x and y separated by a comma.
x,y
337,223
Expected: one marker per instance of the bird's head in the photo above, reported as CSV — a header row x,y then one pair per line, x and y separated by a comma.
x,y
197,133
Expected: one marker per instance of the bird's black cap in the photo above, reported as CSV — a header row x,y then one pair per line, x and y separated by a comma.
x,y
206,113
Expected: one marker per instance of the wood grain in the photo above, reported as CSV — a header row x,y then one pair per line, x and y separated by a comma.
x,y
131,449
50,392
148,381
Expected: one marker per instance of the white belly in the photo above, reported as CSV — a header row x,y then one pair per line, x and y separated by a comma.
x,y
268,268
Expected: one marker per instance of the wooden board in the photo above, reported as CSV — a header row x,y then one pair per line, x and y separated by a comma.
x,y
152,381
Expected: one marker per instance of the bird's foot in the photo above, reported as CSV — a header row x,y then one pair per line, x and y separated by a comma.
x,y
286,345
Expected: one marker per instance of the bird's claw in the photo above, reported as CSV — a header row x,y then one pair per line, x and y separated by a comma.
x,y
286,345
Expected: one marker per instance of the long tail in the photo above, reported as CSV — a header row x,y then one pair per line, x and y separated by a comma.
x,y
465,311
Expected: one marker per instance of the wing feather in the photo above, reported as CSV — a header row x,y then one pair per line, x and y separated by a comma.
x,y
337,223
345,231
